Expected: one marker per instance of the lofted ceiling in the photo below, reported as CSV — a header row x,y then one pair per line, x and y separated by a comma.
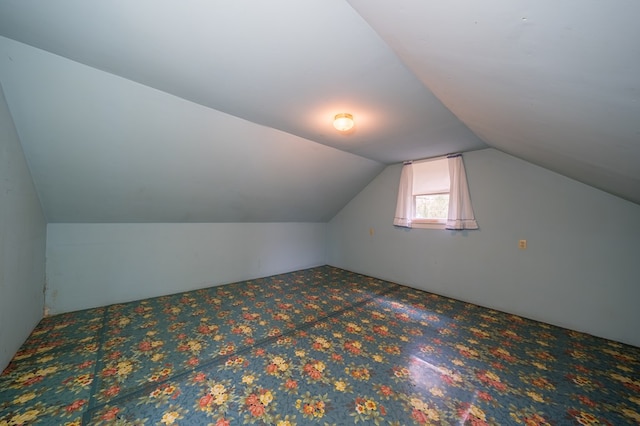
x,y
221,111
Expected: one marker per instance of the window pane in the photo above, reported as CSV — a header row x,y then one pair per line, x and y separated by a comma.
x,y
434,206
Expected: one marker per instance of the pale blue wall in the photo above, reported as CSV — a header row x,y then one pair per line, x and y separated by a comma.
x,y
22,243
581,269
92,265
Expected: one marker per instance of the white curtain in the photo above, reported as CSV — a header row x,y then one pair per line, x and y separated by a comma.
x,y
404,206
460,210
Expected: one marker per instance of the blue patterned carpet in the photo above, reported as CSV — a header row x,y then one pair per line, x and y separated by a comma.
x,y
319,346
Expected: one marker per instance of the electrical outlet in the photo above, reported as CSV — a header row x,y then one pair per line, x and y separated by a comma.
x,y
371,232
522,244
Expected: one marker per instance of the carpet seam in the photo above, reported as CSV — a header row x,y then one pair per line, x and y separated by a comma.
x,y
98,366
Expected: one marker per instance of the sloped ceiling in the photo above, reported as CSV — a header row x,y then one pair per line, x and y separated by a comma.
x,y
554,83
218,111
105,149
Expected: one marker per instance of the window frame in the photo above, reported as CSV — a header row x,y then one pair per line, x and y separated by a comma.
x,y
422,223
426,221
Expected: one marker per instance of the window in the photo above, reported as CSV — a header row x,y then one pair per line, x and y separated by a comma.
x,y
432,207
434,194
430,191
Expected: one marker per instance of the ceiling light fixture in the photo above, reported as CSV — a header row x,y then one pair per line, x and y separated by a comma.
x,y
343,122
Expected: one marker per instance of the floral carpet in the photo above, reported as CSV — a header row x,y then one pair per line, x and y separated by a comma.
x,y
320,346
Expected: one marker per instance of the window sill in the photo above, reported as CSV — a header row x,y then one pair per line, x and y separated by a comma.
x,y
428,225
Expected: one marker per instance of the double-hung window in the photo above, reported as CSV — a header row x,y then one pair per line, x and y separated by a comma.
x,y
434,193
430,191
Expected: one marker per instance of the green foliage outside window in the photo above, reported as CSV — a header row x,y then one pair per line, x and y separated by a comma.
x,y
433,206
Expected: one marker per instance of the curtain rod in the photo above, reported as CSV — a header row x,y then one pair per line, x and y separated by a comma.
x,y
451,155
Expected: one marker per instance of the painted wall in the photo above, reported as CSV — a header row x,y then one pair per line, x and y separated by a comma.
x,y
581,269
22,243
91,265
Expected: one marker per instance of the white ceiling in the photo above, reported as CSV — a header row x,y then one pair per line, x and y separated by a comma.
x,y
216,111
554,83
